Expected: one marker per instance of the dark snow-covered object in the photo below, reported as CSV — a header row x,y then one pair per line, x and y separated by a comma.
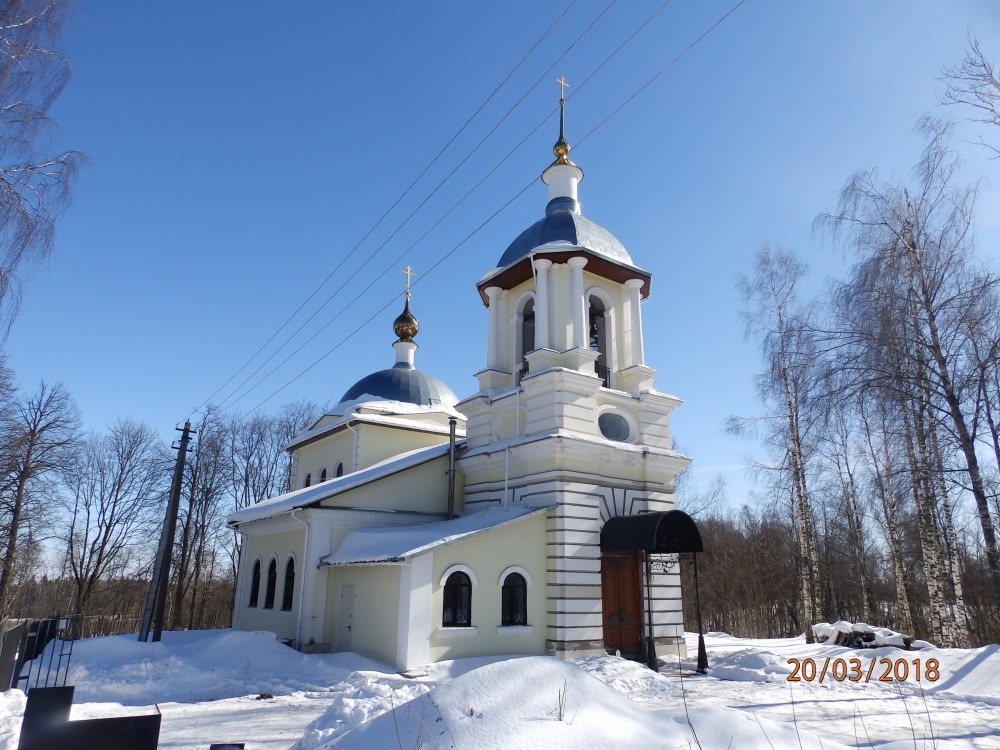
x,y
862,635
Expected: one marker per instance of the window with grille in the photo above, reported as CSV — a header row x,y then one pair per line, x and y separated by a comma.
x,y
457,601
514,600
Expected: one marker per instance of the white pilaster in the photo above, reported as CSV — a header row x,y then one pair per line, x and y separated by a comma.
x,y
579,304
542,266
413,625
493,346
633,286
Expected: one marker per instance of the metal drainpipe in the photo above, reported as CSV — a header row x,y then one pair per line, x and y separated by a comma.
x,y
651,661
702,653
355,459
302,587
240,581
451,467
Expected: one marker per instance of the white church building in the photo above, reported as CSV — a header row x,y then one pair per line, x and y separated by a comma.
x,y
535,516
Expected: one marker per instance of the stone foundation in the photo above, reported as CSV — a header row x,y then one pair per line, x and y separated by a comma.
x,y
574,649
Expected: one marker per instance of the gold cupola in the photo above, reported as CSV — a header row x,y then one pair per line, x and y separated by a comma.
x,y
406,325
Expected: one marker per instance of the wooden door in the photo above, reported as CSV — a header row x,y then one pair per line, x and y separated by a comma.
x,y
621,587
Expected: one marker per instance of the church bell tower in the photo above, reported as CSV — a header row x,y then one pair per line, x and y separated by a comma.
x,y
566,416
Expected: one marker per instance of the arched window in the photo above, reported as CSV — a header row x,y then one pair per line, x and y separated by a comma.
x,y
322,475
286,593
599,338
526,339
514,600
340,470
309,480
457,601
254,584
272,582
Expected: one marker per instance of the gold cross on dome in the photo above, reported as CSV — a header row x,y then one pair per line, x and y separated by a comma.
x,y
409,273
561,80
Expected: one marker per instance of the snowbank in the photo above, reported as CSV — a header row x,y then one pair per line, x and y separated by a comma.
x,y
531,702
206,685
189,667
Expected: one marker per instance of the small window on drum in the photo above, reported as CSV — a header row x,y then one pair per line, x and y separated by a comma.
x,y
614,427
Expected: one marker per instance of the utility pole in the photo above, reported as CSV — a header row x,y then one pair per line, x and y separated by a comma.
x,y
156,599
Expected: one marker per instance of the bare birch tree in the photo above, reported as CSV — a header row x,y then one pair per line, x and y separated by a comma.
x,y
202,515
115,488
35,175
37,437
973,84
774,316
915,248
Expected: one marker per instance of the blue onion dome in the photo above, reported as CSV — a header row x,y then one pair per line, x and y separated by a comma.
x,y
564,225
403,382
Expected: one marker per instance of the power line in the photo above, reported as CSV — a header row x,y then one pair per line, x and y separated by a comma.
x,y
378,312
232,398
388,211
663,70
437,263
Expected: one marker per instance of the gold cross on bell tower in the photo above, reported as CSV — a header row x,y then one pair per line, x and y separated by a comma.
x,y
562,148
409,274
561,80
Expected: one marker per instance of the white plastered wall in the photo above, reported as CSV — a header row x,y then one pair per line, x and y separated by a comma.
x,y
488,555
376,606
280,545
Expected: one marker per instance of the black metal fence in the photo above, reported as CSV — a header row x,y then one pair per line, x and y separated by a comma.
x,y
42,652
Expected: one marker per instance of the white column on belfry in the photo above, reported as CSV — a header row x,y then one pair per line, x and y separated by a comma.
x,y
542,266
634,286
579,306
493,346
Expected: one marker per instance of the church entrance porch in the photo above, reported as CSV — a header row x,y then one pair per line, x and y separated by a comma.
x,y
629,617
621,593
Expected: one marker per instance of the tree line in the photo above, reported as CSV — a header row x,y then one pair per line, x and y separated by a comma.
x,y
882,401
80,511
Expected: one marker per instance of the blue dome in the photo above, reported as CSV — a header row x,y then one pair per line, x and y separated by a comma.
x,y
402,383
562,224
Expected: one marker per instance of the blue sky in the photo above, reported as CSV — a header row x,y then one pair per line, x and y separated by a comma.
x,y
239,151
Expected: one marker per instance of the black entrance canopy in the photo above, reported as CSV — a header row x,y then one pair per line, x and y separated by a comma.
x,y
664,532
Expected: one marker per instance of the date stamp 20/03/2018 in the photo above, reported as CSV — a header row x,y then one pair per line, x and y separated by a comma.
x,y
854,670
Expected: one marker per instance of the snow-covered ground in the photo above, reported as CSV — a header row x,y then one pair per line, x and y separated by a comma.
x,y
208,686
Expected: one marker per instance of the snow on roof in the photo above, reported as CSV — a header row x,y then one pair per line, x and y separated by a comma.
x,y
367,401
397,543
357,409
306,496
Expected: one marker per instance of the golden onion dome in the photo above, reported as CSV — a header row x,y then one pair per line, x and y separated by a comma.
x,y
561,151
406,326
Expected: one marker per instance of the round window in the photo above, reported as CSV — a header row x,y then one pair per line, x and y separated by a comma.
x,y
613,426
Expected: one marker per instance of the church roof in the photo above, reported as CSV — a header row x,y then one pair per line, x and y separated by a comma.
x,y
312,495
395,544
404,383
562,225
